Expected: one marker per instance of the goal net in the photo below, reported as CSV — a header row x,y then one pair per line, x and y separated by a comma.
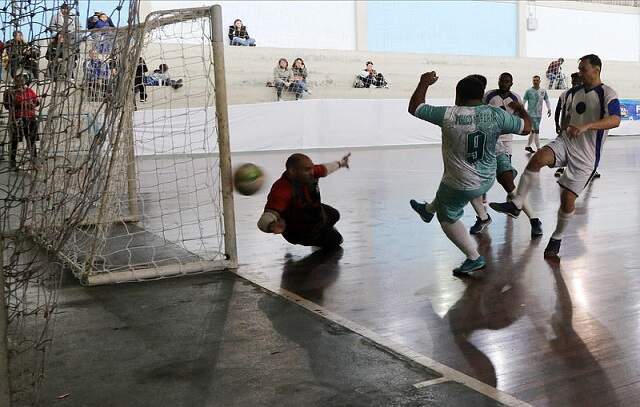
x,y
161,210
128,174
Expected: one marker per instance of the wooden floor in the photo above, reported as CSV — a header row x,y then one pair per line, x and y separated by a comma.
x,y
564,334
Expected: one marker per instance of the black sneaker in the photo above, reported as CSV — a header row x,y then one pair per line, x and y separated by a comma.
x,y
480,225
421,209
596,175
529,149
536,228
553,248
559,172
508,208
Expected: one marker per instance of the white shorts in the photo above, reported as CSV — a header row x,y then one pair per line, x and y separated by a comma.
x,y
576,175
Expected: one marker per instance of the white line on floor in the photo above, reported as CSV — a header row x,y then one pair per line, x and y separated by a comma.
x,y
394,347
431,382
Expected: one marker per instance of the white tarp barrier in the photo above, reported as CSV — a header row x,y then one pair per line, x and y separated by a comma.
x,y
294,125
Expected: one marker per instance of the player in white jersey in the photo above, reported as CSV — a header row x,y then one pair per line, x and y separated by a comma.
x,y
533,99
505,173
470,131
591,110
560,114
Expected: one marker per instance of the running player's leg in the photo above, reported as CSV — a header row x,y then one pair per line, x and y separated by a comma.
x,y
547,156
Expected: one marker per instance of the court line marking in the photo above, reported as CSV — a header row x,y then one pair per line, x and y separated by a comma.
x,y
390,345
432,382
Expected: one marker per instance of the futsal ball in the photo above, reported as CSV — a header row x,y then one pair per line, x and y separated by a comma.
x,y
248,179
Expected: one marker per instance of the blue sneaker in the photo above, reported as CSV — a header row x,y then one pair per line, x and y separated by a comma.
x,y
421,209
508,208
469,266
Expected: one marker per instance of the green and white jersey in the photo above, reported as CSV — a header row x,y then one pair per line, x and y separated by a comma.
x,y
534,98
469,136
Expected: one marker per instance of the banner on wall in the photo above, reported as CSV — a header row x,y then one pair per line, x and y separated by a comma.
x,y
630,109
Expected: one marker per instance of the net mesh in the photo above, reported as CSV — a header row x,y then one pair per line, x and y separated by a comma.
x,y
117,174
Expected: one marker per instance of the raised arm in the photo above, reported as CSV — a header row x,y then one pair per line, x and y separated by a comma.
x,y
333,166
519,110
419,95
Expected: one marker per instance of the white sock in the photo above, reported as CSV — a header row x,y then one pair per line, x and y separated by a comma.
x,y
479,207
527,179
530,141
536,139
563,221
457,233
526,208
431,207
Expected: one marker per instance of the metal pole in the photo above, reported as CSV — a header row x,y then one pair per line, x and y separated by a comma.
x,y
5,394
132,180
222,116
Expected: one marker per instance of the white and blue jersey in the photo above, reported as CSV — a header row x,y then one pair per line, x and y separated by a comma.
x,y
586,106
493,98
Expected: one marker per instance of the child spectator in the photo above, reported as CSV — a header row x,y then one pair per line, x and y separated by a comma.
x,y
282,77
299,72
238,34
96,75
21,102
99,20
370,77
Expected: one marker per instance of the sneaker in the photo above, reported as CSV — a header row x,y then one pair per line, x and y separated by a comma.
x,y
536,228
508,208
596,175
480,225
529,149
559,172
553,248
421,209
469,266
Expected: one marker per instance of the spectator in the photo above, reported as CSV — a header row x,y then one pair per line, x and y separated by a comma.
x,y
22,56
96,75
238,34
57,24
59,66
100,24
2,62
161,77
99,19
138,83
299,72
370,77
21,102
282,77
555,75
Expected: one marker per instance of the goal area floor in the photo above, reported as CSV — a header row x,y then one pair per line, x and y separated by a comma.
x,y
545,333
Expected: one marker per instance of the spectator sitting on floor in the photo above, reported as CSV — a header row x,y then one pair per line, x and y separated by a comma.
x,y
161,77
282,77
294,208
299,83
555,75
238,34
370,77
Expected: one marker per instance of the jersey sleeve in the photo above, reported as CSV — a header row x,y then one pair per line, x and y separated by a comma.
x,y
279,197
612,102
320,171
509,123
432,114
